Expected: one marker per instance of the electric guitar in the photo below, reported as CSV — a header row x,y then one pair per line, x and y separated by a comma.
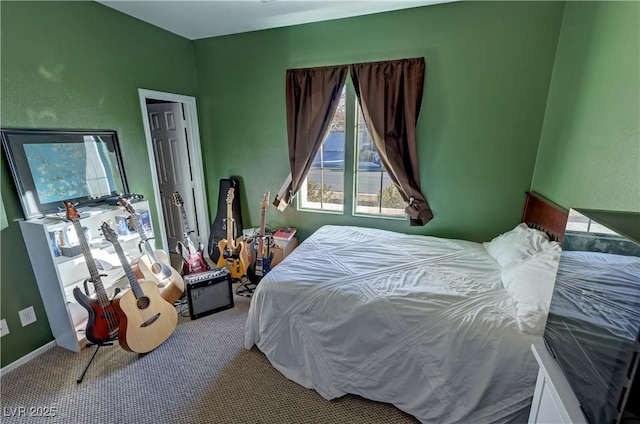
x,y
102,325
193,260
146,319
233,254
154,264
262,255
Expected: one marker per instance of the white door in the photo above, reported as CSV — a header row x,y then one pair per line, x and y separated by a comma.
x,y
171,153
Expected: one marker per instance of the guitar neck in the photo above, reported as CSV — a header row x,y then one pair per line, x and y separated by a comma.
x,y
230,224
260,252
187,240
101,293
133,280
185,222
263,215
143,235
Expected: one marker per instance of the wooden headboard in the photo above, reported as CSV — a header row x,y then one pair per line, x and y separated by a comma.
x,y
544,215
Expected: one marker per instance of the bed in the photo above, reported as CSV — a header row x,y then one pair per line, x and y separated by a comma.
x,y
440,328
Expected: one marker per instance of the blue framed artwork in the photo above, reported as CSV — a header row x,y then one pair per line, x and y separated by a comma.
x,y
51,166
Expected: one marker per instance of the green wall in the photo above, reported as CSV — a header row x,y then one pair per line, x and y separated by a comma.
x,y
489,66
75,65
489,69
589,153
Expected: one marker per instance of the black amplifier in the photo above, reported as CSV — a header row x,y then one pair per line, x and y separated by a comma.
x,y
208,292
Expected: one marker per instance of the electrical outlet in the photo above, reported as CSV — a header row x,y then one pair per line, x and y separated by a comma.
x,y
27,316
4,328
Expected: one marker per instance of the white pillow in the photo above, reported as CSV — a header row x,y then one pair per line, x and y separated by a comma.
x,y
517,245
530,285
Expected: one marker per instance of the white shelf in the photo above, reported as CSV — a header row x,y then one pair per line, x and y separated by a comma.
x,y
99,244
57,276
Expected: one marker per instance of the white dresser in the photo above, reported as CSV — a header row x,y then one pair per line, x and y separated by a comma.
x,y
553,400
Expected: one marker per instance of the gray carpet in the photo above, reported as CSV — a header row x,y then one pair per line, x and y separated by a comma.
x,y
201,374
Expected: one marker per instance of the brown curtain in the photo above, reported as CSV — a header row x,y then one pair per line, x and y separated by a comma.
x,y
390,95
312,99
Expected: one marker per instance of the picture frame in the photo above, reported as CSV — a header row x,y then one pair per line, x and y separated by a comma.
x,y
52,166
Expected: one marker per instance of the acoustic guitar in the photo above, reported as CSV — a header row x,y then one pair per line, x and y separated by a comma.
x,y
102,325
146,319
262,255
233,254
154,264
193,260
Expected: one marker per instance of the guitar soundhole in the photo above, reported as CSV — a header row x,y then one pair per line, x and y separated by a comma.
x,y
143,302
156,268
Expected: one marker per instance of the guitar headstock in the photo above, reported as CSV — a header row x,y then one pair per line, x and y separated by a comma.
x,y
177,200
265,200
230,195
126,205
108,233
72,212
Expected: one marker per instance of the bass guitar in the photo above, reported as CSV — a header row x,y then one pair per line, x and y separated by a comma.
x,y
262,254
146,319
154,264
193,260
233,254
102,325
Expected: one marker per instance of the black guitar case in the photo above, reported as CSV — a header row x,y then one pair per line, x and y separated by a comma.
x,y
218,227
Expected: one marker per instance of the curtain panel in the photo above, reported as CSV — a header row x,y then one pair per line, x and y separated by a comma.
x,y
312,97
390,95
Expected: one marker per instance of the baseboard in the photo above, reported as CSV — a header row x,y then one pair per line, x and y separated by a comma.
x,y
26,358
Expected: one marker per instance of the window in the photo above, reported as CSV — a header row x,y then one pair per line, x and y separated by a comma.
x,y
375,192
324,188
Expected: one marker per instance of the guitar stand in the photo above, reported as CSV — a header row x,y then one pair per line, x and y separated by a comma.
x,y
246,287
97,345
86,367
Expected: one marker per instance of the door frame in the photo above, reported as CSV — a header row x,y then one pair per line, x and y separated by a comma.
x,y
195,159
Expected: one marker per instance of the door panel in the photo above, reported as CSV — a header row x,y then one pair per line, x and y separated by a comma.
x,y
173,232
172,162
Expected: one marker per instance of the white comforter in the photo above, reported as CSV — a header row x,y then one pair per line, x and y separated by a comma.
x,y
416,321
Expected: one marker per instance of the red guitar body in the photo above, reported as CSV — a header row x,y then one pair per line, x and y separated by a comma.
x,y
192,260
100,323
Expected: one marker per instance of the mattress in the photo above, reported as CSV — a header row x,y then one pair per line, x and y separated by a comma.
x,y
420,322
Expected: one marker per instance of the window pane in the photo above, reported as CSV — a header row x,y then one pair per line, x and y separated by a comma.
x,y
324,186
375,193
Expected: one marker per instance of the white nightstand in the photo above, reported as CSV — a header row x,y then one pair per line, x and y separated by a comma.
x,y
553,399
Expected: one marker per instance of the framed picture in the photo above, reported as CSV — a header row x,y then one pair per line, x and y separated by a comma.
x,y
51,166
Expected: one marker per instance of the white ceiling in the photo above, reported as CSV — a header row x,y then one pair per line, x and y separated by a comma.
x,y
210,18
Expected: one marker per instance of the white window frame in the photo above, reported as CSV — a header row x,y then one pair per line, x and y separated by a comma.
x,y
350,170
356,173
